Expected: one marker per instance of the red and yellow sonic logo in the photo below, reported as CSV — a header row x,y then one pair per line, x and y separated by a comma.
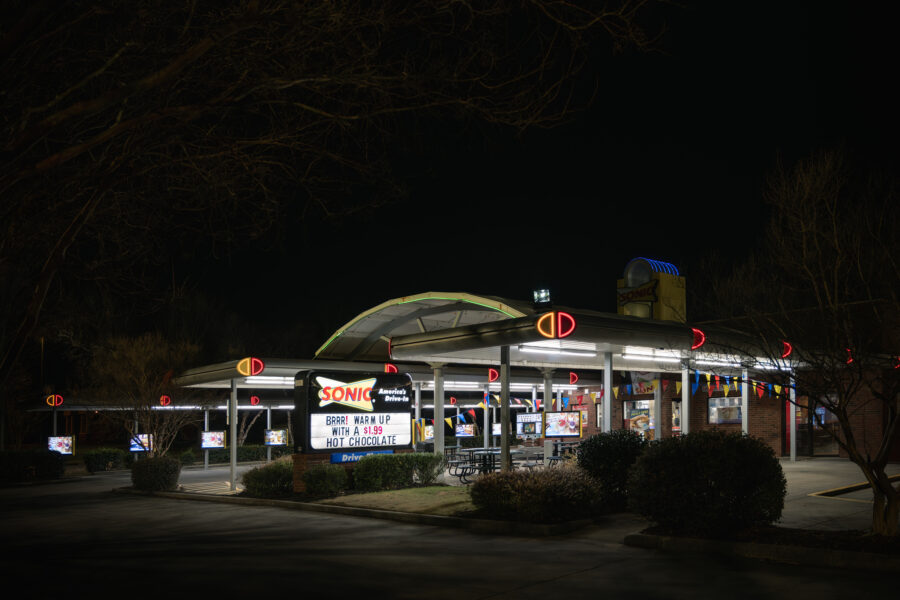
x,y
357,394
250,366
556,325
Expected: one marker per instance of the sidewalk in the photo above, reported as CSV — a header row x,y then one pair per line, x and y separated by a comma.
x,y
852,510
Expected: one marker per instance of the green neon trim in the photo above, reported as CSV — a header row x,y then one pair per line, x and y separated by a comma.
x,y
339,333
511,316
334,337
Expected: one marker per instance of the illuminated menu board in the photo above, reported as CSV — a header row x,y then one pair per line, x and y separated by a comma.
x,y
142,442
212,439
276,437
354,411
529,423
562,424
61,444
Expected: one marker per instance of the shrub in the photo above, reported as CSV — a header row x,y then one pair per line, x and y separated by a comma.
x,y
187,457
156,474
708,482
392,471
105,459
426,466
28,465
326,480
274,480
381,472
538,496
609,457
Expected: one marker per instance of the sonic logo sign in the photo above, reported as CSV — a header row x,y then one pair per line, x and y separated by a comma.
x,y
353,411
357,394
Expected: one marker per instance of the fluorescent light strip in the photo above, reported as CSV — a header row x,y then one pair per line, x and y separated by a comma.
x,y
536,350
650,357
718,363
269,380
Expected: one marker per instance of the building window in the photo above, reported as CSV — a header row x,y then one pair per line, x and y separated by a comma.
x,y
724,411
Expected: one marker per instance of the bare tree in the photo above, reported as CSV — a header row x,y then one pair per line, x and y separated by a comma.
x,y
824,287
133,381
245,425
134,131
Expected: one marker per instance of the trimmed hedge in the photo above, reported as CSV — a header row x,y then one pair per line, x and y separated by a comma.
x,y
106,459
274,480
538,496
326,480
156,474
609,457
708,482
426,466
392,471
30,465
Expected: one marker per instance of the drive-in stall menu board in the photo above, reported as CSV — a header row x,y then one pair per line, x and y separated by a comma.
x,y
355,411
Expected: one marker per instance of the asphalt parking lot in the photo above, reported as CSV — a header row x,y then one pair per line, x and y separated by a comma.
x,y
78,537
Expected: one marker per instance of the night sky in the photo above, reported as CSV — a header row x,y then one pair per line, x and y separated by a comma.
x,y
669,163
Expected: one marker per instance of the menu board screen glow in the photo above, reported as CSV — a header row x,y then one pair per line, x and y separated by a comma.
x,y
562,424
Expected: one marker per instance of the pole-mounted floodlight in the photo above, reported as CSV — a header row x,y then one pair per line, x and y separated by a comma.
x,y
541,298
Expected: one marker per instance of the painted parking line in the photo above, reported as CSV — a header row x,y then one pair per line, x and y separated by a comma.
x,y
217,488
834,493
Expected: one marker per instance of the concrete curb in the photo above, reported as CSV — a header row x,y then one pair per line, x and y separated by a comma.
x,y
796,555
476,525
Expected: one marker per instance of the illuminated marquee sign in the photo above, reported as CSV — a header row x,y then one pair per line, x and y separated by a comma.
x,y
556,325
354,411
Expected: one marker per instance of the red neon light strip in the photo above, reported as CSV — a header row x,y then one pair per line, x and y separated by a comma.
x,y
699,338
562,331
788,348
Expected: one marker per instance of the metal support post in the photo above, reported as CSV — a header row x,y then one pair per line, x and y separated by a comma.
x,y
608,395
506,463
232,435
548,406
685,400
438,407
657,409
418,389
792,411
206,450
268,426
486,418
745,404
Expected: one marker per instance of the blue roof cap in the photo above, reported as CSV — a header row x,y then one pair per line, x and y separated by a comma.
x,y
657,266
